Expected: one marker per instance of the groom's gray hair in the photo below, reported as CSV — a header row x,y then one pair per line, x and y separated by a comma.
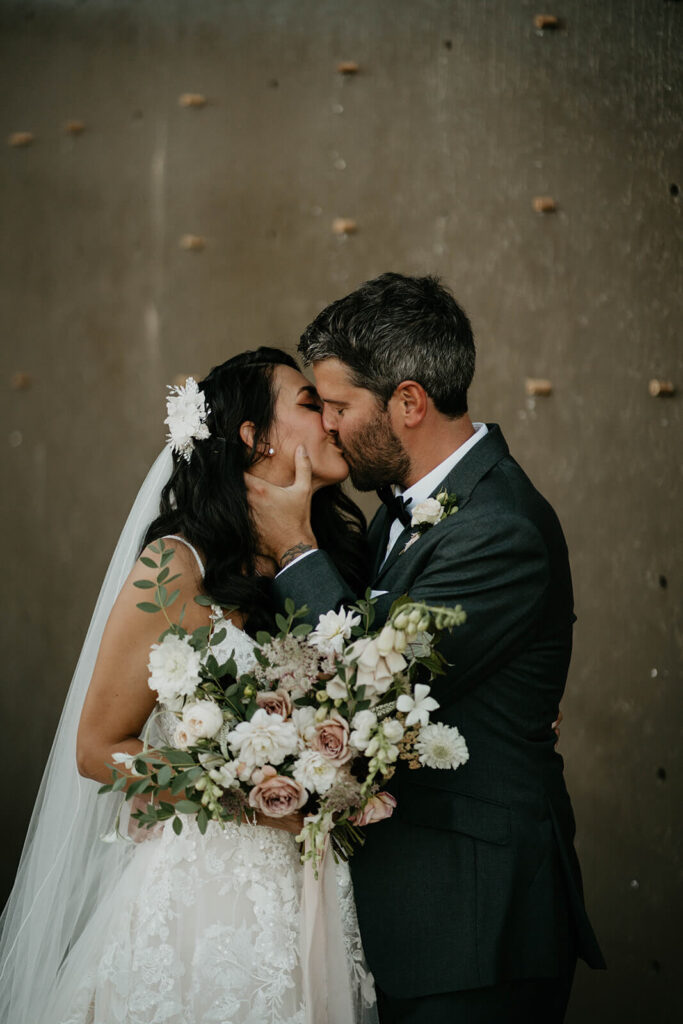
x,y
397,328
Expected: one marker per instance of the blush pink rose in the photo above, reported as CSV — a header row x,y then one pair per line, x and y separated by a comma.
x,y
377,808
276,702
276,795
332,739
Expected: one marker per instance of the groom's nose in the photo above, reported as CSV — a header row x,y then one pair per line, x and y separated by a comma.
x,y
328,421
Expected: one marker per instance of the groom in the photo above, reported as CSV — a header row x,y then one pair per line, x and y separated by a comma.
x,y
469,898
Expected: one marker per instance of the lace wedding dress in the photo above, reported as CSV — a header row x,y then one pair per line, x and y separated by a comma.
x,y
205,929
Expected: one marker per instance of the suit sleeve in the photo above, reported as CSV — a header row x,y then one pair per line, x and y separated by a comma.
x,y
314,582
498,570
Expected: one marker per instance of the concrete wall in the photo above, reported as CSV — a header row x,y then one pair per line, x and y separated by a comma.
x,y
461,113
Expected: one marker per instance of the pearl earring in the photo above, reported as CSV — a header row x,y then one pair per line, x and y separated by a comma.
x,y
271,451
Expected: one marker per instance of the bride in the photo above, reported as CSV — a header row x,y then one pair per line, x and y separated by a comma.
x,y
154,927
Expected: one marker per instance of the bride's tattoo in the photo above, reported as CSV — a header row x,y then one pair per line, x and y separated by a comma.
x,y
292,553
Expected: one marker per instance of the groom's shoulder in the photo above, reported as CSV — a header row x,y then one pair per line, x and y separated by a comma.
x,y
507,491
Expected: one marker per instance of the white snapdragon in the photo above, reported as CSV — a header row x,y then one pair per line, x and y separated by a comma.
x,y
441,746
417,707
392,730
265,739
173,668
314,771
332,630
226,775
363,725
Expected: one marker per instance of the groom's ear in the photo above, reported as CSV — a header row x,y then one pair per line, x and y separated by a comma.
x,y
410,401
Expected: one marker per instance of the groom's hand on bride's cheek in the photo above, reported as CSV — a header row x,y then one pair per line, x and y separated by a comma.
x,y
282,515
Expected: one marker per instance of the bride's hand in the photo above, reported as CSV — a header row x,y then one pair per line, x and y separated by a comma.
x,y
288,823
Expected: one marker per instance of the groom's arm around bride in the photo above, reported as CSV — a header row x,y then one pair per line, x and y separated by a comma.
x,y
469,897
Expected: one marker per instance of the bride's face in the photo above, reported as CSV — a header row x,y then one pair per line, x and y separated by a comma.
x,y
298,420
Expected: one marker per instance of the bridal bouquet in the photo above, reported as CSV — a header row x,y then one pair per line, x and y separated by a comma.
x,y
317,724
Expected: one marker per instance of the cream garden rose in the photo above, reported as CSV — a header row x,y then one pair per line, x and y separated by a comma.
x,y
202,718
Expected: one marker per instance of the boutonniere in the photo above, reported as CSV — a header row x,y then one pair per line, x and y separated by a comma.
x,y
430,512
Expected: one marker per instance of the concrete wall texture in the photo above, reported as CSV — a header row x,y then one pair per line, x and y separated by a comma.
x,y
461,112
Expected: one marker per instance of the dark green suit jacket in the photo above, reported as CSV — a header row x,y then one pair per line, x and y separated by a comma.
x,y
464,886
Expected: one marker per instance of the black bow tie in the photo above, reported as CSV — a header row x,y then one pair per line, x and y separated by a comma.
x,y
396,505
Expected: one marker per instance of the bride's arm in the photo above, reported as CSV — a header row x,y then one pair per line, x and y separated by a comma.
x,y
119,701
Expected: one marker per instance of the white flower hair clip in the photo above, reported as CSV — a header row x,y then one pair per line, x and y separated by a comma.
x,y
186,420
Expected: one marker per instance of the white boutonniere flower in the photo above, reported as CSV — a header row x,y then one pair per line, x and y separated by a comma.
x,y
430,512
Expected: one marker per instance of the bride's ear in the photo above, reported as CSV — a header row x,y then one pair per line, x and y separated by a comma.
x,y
247,433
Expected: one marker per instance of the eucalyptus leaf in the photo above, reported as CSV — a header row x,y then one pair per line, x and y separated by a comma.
x,y
303,629
150,563
263,638
166,557
163,575
177,825
187,806
202,820
219,637
202,599
143,584
164,775
290,606
172,597
147,606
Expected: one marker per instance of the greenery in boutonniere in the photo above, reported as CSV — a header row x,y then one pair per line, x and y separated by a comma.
x,y
430,512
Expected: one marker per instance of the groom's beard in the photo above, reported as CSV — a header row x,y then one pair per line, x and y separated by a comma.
x,y
376,456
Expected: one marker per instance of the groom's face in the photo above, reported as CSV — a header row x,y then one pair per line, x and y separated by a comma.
x,y
361,428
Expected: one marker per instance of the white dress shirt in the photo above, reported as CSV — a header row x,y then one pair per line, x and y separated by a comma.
x,y
421,490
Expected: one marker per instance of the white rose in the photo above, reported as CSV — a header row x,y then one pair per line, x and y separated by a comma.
x,y
429,511
304,722
173,668
314,771
266,739
203,718
332,630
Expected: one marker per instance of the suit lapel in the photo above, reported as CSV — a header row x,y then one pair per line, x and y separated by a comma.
x,y
461,481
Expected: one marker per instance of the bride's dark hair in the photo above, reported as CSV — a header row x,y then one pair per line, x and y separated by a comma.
x,y
205,500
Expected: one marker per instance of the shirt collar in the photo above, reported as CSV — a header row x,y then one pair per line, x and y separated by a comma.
x,y
421,490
